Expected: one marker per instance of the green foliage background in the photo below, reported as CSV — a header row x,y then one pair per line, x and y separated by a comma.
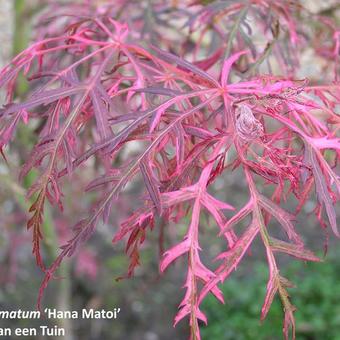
x,y
316,296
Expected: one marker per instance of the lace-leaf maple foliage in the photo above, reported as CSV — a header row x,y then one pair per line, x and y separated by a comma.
x,y
207,100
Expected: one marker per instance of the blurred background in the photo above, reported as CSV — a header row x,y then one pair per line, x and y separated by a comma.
x,y
147,302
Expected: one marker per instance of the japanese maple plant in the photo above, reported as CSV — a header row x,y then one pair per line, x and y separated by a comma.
x,y
199,88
